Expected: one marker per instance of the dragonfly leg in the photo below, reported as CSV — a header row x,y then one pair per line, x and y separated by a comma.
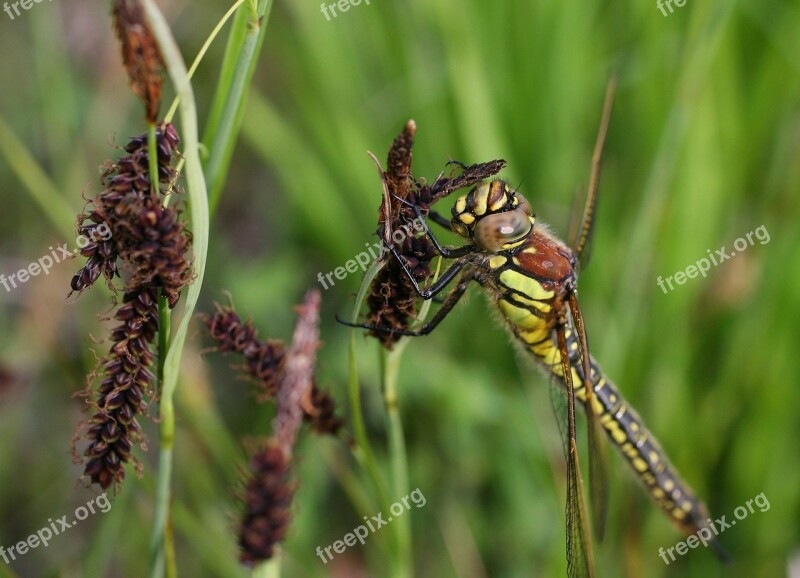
x,y
440,220
446,252
438,286
455,295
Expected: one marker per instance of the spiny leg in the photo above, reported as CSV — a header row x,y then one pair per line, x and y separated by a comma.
x,y
583,237
580,560
455,295
440,220
439,285
598,454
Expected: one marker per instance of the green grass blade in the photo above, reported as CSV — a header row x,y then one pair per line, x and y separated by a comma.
x,y
198,205
37,184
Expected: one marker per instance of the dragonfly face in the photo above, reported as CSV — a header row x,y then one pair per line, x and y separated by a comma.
x,y
494,216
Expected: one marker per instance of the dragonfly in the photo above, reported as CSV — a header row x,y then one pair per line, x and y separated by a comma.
x,y
531,277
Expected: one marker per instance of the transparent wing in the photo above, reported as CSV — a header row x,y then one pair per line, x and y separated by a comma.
x,y
598,450
580,238
580,562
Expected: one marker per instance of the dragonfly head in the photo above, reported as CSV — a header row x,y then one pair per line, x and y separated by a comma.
x,y
493,215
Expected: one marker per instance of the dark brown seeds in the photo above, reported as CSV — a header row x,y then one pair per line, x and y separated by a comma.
x,y
140,54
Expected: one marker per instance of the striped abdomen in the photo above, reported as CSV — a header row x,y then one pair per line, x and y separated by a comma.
x,y
636,444
528,307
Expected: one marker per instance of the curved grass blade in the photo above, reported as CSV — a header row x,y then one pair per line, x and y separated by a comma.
x,y
198,206
227,109
35,180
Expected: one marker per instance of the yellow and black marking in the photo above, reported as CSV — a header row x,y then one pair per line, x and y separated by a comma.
x,y
529,308
486,198
532,278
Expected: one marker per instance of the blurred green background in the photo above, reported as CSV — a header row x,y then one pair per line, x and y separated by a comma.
x,y
704,147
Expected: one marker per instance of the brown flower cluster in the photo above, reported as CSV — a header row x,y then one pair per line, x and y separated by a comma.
x,y
148,245
267,502
114,429
392,300
140,54
265,362
287,376
146,237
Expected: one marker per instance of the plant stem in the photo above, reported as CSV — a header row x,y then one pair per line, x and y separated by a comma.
x,y
269,569
198,204
363,450
163,342
390,367
163,308
163,337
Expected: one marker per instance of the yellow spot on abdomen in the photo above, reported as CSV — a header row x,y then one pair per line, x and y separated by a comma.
x,y
518,316
534,335
549,355
616,432
525,285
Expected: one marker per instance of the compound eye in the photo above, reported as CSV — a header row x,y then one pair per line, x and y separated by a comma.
x,y
494,231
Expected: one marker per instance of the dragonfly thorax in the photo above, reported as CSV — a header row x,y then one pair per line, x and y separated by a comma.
x,y
493,215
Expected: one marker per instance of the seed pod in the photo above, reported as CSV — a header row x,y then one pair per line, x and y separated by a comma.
x,y
140,54
267,499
